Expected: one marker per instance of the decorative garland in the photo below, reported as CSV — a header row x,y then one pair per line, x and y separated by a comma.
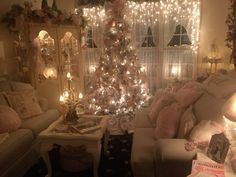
x,y
18,15
231,34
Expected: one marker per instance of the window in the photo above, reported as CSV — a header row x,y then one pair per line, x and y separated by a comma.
x,y
164,33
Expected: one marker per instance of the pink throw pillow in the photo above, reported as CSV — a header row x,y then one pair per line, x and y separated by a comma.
x,y
9,119
168,121
189,93
203,131
163,100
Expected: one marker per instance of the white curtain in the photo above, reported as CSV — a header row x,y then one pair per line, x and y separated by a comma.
x,y
162,63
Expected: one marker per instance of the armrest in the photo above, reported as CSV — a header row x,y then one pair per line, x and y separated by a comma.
x,y
173,150
43,102
172,159
141,119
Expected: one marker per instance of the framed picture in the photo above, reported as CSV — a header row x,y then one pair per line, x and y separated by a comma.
x,y
218,148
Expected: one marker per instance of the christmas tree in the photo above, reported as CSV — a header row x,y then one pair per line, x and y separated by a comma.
x,y
118,85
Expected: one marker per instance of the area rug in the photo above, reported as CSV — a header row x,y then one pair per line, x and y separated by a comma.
x,y
115,161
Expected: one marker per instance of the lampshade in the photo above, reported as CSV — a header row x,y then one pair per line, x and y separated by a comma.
x,y
229,108
50,72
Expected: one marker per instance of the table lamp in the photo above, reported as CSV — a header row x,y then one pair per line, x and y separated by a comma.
x,y
229,115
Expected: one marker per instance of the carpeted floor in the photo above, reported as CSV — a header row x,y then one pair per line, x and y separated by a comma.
x,y
115,161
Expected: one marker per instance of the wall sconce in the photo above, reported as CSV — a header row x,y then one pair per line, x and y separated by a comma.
x,y
213,56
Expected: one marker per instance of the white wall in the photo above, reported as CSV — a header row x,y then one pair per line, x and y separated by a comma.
x,y
213,27
214,13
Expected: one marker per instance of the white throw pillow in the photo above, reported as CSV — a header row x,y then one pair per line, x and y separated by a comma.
x,y
203,131
220,86
187,122
24,103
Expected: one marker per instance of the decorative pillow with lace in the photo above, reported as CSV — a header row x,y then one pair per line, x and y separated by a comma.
x,y
25,103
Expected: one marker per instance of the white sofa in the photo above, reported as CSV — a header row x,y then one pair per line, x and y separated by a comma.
x,y
19,151
168,157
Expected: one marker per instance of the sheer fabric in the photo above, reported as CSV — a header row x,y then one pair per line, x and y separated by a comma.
x,y
162,63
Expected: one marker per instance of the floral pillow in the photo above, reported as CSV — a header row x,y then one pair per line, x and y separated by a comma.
x,y
25,103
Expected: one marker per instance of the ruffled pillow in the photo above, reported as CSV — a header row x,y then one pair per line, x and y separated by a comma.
x,y
9,119
163,100
168,121
189,93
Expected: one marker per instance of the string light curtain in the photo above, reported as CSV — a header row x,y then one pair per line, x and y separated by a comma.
x,y
144,19
162,63
93,33
181,37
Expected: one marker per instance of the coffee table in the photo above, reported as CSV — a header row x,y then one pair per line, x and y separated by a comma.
x,y
91,140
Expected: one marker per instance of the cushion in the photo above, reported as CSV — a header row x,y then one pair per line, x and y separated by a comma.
x,y
14,147
5,86
189,93
3,100
40,122
202,111
9,119
164,100
143,152
3,137
220,86
156,96
142,120
168,121
232,73
43,102
203,131
21,86
24,103
187,122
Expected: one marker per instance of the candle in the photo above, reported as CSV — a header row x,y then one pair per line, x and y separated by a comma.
x,y
68,75
80,96
61,99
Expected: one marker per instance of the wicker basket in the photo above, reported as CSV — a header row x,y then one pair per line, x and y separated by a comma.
x,y
75,159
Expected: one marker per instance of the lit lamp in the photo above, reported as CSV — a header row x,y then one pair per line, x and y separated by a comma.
x,y
80,105
229,115
50,72
213,55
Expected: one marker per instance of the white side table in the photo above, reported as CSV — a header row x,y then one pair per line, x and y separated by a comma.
x,y
227,166
92,141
